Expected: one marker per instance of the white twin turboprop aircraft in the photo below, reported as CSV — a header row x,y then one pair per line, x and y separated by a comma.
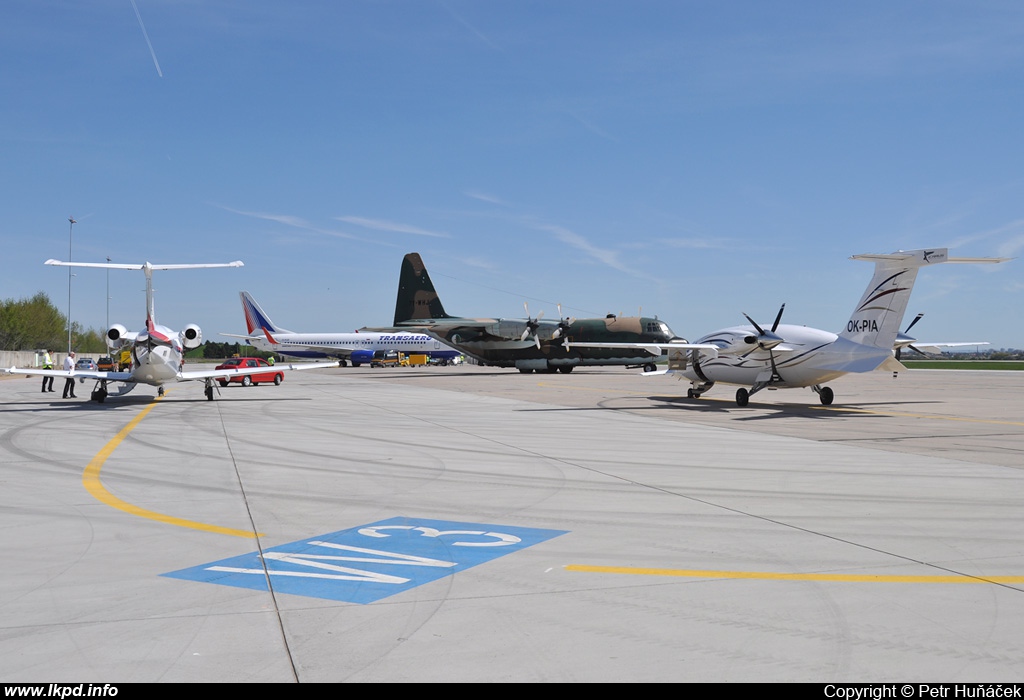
x,y
158,353
798,356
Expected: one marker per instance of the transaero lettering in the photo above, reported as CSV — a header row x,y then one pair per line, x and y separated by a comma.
x,y
923,690
869,325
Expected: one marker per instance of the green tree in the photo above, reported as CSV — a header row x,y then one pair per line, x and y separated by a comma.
x,y
90,341
29,324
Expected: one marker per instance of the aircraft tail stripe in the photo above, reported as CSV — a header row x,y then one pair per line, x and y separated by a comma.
x,y
882,294
255,319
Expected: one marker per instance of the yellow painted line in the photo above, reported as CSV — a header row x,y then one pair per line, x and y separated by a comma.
x,y
770,576
841,409
91,482
932,416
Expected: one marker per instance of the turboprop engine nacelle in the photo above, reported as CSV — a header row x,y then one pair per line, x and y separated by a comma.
x,y
115,335
513,330
191,336
740,341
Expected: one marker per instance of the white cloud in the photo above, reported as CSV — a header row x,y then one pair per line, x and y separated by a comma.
x,y
395,227
484,197
602,255
292,221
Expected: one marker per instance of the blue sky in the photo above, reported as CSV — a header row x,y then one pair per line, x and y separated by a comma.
x,y
695,160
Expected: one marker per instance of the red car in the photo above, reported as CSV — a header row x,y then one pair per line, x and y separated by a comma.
x,y
271,375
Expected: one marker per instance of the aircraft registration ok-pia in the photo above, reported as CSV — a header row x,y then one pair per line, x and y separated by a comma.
x,y
786,356
158,353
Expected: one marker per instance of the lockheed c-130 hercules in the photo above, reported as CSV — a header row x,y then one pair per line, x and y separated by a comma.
x,y
157,352
786,356
529,344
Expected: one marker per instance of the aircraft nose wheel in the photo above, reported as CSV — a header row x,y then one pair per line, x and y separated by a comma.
x,y
742,397
826,395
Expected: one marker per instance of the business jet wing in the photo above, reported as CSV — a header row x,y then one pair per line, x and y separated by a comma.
x,y
241,371
73,374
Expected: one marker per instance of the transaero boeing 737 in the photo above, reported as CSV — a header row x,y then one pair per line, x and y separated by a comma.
x,y
357,348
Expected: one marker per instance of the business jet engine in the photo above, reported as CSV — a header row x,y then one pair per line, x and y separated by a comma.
x,y
116,336
191,336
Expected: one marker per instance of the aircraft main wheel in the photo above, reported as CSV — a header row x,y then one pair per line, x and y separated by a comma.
x,y
209,393
247,380
742,397
160,391
278,379
691,394
525,370
565,370
826,395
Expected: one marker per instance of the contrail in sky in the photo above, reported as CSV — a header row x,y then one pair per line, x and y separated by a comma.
x,y
148,43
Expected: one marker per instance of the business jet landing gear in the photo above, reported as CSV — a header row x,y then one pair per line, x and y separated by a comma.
x,y
99,393
825,394
160,391
209,390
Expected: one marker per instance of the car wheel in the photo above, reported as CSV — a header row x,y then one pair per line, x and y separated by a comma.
x,y
222,382
278,378
247,380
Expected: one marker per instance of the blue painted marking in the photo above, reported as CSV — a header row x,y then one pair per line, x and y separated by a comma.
x,y
371,562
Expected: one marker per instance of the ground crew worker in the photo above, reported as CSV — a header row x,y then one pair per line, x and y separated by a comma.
x,y
47,364
69,383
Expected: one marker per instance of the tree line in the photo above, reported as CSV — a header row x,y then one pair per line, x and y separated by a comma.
x,y
36,324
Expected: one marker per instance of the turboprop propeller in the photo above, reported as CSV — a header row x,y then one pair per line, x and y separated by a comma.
x,y
766,340
904,340
563,328
532,324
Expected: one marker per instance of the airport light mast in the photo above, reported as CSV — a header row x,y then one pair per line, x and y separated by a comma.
x,y
71,228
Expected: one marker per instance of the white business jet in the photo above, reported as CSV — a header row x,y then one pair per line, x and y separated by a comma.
x,y
785,356
158,353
